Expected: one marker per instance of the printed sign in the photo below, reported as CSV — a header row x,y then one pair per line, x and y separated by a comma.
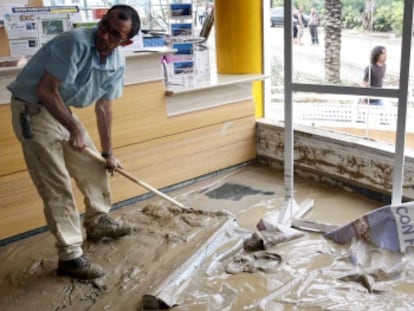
x,y
389,227
29,28
404,218
181,10
182,30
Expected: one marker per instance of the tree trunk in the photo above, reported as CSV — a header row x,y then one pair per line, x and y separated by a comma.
x,y
367,19
333,25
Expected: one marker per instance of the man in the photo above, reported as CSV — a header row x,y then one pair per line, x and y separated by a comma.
x,y
375,72
76,68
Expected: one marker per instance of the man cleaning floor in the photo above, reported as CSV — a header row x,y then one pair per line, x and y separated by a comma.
x,y
75,69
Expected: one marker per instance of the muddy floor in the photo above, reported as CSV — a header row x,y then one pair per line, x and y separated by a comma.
x,y
196,261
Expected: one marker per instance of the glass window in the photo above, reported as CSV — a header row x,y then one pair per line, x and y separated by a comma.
x,y
349,43
346,57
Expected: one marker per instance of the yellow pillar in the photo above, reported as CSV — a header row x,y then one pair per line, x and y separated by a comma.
x,y
239,46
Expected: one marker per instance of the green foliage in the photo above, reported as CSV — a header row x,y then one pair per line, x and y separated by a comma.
x,y
307,4
351,18
276,3
388,14
389,17
357,5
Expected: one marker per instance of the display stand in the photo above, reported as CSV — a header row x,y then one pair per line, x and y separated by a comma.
x,y
180,66
190,62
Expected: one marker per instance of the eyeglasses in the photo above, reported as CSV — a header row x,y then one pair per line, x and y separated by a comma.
x,y
113,34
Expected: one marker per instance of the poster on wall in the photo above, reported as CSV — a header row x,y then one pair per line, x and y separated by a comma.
x,y
6,8
23,47
29,28
73,10
21,26
49,26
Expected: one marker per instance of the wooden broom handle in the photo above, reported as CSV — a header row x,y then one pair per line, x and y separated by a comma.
x,y
126,174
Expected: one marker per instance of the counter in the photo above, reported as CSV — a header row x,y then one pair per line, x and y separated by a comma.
x,y
218,90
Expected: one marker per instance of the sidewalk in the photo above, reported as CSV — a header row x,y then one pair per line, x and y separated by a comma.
x,y
355,54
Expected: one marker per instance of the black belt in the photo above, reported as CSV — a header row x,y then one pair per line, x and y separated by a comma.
x,y
24,101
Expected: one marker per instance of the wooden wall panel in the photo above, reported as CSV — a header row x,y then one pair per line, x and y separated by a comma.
x,y
10,151
172,159
144,107
4,43
160,162
20,207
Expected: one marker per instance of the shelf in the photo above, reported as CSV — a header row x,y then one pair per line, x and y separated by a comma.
x,y
217,91
215,80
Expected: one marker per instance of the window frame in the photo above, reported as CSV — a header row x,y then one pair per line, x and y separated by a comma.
x,y
290,87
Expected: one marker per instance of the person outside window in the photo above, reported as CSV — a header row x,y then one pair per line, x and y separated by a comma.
x,y
313,26
300,25
295,25
209,9
201,12
374,73
74,69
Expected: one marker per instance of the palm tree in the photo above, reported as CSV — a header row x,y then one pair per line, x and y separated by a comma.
x,y
333,25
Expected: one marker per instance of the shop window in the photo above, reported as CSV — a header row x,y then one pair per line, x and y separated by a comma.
x,y
350,43
338,80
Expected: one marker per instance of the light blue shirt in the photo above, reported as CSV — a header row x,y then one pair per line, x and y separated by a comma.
x,y
73,59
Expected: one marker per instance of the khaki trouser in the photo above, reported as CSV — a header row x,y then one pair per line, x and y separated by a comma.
x,y
51,163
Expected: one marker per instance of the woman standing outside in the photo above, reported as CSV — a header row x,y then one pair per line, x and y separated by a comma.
x,y
313,26
301,25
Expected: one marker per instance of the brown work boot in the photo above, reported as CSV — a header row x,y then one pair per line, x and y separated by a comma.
x,y
106,227
80,268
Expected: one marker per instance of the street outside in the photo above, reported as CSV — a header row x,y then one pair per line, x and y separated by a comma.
x,y
342,113
356,47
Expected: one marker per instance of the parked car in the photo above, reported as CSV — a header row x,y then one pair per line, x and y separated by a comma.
x,y
277,17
